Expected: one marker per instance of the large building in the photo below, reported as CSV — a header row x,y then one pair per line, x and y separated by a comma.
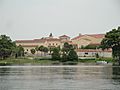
x,y
44,41
81,40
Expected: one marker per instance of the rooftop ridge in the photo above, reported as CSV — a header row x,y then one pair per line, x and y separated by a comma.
x,y
92,35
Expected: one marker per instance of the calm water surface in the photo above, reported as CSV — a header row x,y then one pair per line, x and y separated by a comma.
x,y
59,78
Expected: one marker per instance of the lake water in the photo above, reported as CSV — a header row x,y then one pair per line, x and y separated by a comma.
x,y
59,78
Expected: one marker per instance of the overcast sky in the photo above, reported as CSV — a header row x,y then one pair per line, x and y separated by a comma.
x,y
29,19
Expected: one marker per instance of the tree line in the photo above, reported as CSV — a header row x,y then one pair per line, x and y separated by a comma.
x,y
8,48
66,53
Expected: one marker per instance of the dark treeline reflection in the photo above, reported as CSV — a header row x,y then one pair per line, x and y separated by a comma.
x,y
4,71
69,73
116,74
116,70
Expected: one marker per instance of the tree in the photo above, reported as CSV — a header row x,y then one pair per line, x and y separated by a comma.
x,y
64,57
51,49
89,47
37,49
67,49
20,51
32,51
45,50
50,35
97,55
6,46
112,40
82,47
72,56
56,54
41,48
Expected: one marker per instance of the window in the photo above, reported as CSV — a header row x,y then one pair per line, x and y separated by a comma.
x,y
86,53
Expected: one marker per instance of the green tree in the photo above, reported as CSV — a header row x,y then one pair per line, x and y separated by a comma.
x,y
72,56
97,55
41,49
82,47
66,50
91,47
64,57
20,51
51,49
37,49
67,47
112,40
6,46
45,50
56,54
33,51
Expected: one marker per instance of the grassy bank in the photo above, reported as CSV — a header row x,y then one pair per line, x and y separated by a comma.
x,y
28,61
109,60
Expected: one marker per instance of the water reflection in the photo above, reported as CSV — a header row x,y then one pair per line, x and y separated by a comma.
x,y
60,78
69,73
4,71
116,75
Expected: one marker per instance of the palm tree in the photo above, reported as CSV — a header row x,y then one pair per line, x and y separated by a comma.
x,y
45,50
41,48
37,49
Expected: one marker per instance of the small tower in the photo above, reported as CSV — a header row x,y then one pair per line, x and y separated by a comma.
x,y
50,36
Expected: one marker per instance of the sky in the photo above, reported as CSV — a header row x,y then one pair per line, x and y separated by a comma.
x,y
29,19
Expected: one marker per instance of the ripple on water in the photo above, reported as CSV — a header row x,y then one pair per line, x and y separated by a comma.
x,y
59,78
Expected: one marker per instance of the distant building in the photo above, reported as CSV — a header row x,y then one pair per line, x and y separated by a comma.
x,y
78,42
44,41
88,39
93,52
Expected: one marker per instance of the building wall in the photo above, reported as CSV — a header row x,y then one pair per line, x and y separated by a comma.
x,y
93,54
31,45
53,43
86,40
27,49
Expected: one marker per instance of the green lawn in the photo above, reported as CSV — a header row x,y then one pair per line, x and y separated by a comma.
x,y
27,61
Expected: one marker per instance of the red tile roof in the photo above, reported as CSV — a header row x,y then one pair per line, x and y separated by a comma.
x,y
24,41
64,36
28,41
91,35
37,40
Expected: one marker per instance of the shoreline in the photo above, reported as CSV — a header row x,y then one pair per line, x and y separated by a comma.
x,y
27,62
